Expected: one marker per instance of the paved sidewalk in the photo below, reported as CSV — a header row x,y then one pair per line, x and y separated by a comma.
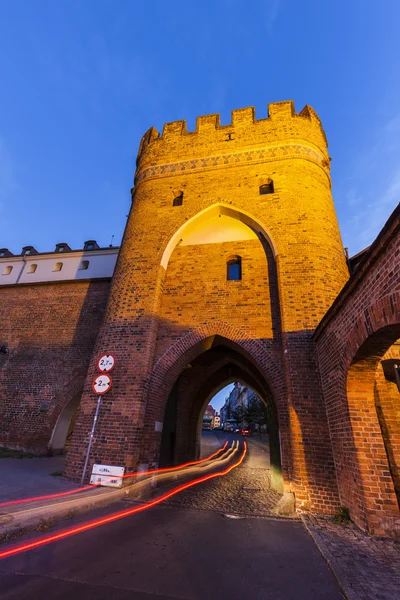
x,y
367,568
30,478
26,477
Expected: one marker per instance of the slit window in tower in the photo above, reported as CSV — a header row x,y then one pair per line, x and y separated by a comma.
x,y
267,188
178,201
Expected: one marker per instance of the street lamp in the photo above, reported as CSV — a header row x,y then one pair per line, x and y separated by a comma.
x,y
391,370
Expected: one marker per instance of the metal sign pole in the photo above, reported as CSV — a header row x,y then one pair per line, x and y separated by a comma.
x,y
91,439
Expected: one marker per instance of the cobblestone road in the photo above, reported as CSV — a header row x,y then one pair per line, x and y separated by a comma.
x,y
245,491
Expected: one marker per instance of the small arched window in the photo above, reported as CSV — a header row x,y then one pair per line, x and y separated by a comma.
x,y
32,268
178,201
7,270
267,188
84,265
58,266
234,269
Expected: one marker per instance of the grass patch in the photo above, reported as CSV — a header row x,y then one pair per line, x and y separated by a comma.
x,y
56,474
45,524
342,515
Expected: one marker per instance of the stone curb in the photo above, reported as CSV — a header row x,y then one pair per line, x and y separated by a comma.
x,y
38,522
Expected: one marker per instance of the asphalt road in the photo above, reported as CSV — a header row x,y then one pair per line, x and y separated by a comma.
x,y
169,553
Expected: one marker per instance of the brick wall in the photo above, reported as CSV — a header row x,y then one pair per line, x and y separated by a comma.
x,y
351,340
50,331
196,291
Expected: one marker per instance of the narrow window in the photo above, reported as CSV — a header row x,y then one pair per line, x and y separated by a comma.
x,y
32,268
234,269
84,265
178,201
7,270
267,188
58,266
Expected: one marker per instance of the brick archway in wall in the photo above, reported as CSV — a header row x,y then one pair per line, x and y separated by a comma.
x,y
351,340
349,376
373,334
194,344
254,223
383,313
170,364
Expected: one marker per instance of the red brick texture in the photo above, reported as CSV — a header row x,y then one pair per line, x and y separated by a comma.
x,y
351,340
167,304
50,330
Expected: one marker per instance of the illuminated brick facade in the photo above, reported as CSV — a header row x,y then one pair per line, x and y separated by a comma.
x,y
256,193
170,297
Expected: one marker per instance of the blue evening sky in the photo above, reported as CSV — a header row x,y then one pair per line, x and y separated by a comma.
x,y
81,80
219,399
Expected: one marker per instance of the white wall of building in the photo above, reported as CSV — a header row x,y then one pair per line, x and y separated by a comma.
x,y
101,263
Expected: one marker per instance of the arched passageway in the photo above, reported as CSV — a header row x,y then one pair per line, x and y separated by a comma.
x,y
222,363
63,428
374,407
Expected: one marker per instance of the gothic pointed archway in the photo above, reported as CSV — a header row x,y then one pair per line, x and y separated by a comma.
x,y
214,363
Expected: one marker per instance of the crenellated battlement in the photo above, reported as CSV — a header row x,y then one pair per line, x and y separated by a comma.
x,y
244,131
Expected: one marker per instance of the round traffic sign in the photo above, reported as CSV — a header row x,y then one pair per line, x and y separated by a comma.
x,y
101,384
106,363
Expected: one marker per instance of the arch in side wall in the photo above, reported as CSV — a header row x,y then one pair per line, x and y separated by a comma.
x,y
372,490
196,224
63,424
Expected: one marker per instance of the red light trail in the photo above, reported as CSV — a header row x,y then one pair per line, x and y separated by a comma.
x,y
49,496
183,466
90,487
119,515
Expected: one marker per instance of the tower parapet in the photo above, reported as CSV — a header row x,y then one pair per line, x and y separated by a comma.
x,y
301,133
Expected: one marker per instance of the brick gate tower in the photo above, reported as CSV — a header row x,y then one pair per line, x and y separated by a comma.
x,y
230,258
